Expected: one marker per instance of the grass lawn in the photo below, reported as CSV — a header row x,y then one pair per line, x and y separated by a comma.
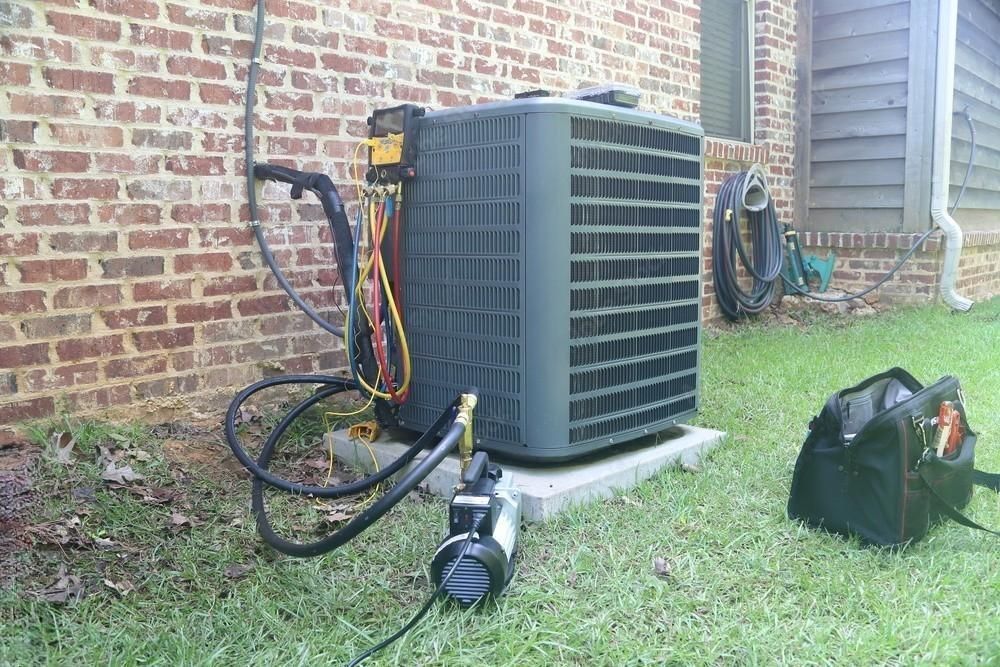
x,y
745,585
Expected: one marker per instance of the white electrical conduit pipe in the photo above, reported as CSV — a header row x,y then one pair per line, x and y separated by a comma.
x,y
941,167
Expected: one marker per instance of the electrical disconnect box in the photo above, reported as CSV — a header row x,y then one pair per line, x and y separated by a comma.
x,y
552,257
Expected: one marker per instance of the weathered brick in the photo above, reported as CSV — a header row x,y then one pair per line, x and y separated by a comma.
x,y
97,399
149,86
137,9
185,165
56,326
83,188
46,105
15,74
172,386
127,318
159,189
174,140
52,270
132,267
21,302
51,161
229,285
81,80
126,368
18,244
86,27
156,37
20,411
203,312
130,214
87,296
84,348
198,68
53,214
158,239
83,241
93,136
18,131
164,339
263,305
24,355
209,262
164,290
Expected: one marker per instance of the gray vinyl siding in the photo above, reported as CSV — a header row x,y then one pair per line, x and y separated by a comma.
x,y
977,86
858,142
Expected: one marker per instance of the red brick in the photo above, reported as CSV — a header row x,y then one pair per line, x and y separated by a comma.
x,y
126,368
137,9
132,267
159,239
263,305
56,326
225,237
21,244
210,261
18,131
130,214
307,125
127,112
229,285
61,377
203,312
218,94
84,241
17,303
151,36
73,79
36,408
93,136
52,270
195,165
53,214
163,290
87,296
148,86
164,339
86,27
128,318
75,349
14,74
46,105
96,399
24,355
51,161
198,68
82,188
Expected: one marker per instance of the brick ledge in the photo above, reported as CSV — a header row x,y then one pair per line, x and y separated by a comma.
x,y
727,149
898,240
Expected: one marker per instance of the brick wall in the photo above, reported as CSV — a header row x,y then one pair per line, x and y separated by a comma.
x,y
127,271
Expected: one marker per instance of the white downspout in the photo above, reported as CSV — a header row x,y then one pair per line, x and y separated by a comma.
x,y
944,95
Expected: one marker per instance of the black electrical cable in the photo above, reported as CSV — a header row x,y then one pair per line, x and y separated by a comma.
x,y
972,159
727,244
427,605
881,281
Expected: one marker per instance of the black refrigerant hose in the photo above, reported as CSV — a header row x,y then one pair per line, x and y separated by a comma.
x,y
328,385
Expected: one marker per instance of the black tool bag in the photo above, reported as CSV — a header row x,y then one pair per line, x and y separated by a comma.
x,y
868,466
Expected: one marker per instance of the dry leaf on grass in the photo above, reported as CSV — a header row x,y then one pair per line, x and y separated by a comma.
x,y
63,533
149,494
62,447
691,468
123,587
662,567
65,588
237,570
179,522
122,475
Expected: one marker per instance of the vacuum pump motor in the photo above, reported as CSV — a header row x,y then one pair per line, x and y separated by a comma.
x,y
488,564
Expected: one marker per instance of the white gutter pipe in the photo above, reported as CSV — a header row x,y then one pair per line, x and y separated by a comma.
x,y
944,96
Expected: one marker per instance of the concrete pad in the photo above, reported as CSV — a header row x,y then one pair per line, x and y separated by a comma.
x,y
548,490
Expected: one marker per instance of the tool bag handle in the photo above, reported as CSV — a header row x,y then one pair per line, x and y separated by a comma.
x,y
979,478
